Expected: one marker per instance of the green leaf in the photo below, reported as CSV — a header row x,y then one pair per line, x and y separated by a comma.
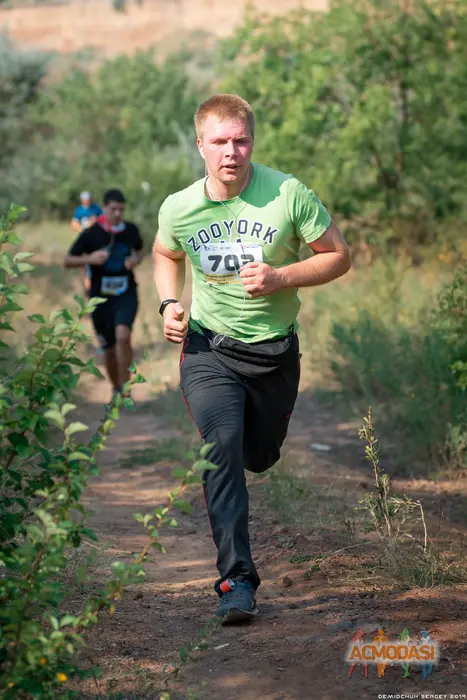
x,y
78,457
183,505
204,465
67,407
179,473
24,267
139,379
68,620
55,416
10,306
76,427
93,303
205,449
80,301
37,318
14,212
22,256
19,442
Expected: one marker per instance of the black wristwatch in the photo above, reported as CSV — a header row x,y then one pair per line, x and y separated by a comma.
x,y
165,303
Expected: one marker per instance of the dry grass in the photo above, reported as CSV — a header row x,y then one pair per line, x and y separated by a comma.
x,y
90,25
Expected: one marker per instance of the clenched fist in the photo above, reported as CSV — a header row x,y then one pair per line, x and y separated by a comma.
x,y
260,279
99,257
131,262
175,324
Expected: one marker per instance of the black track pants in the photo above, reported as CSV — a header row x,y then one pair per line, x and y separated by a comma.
x,y
247,418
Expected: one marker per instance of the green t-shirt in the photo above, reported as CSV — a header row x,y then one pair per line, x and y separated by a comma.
x,y
266,223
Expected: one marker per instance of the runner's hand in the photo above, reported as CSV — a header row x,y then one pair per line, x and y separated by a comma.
x,y
260,279
175,324
131,262
99,257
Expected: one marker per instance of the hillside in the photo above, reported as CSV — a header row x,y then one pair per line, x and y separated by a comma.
x,y
93,25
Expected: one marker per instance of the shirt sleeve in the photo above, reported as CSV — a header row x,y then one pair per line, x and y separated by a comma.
x,y
80,246
77,213
308,214
165,231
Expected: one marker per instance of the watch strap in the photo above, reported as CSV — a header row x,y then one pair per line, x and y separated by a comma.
x,y
165,303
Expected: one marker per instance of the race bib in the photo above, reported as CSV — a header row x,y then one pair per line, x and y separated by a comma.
x,y
221,263
113,286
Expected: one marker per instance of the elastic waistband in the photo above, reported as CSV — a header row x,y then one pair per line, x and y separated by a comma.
x,y
212,334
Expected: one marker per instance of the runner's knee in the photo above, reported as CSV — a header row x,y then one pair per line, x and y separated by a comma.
x,y
123,335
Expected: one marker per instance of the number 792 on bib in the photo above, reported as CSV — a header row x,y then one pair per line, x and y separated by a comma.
x,y
222,263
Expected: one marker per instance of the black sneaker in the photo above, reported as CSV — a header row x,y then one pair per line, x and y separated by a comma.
x,y
238,601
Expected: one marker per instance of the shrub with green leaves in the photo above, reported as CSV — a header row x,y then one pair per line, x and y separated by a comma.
x,y
44,471
413,371
365,103
124,125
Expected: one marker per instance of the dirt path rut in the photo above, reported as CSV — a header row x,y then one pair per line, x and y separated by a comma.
x,y
295,649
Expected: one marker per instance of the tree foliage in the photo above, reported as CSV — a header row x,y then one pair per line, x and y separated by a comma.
x,y
365,104
123,126
21,73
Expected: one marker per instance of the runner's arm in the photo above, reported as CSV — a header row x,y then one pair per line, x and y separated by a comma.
x,y
169,271
134,259
75,225
98,257
331,260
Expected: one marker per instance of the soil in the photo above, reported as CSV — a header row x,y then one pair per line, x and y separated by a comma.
x,y
294,649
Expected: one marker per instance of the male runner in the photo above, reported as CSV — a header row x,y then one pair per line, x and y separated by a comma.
x,y
85,215
241,228
113,248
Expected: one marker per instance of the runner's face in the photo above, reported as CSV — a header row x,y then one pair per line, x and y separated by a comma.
x,y
227,147
114,212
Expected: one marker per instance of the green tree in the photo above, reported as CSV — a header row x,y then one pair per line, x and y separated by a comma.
x,y
365,104
123,126
21,73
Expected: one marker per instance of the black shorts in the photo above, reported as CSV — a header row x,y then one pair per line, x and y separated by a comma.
x,y
119,310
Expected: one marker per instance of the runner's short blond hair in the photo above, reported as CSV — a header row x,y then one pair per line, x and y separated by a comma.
x,y
224,106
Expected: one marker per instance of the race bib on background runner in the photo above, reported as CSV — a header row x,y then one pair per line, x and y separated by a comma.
x,y
221,263
113,286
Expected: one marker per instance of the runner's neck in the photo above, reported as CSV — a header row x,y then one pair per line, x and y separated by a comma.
x,y
218,191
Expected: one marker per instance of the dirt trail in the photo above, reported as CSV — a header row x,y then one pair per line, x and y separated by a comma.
x,y
294,650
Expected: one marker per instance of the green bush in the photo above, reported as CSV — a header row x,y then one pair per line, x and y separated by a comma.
x,y
44,471
123,126
450,319
365,104
21,73
413,373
